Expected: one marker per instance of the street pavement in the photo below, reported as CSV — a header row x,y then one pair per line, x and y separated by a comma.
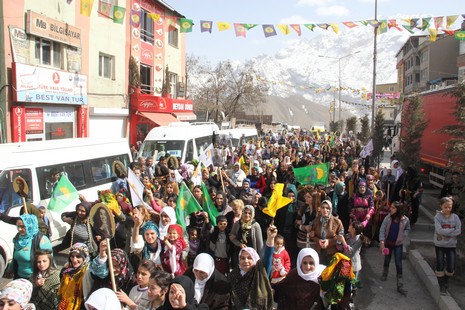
x,y
418,263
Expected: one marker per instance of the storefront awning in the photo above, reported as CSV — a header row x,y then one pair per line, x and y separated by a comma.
x,y
161,119
185,116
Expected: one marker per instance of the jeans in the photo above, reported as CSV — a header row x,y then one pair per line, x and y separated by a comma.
x,y
450,259
397,251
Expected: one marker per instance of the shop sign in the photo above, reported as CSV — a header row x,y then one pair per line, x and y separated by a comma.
x,y
37,84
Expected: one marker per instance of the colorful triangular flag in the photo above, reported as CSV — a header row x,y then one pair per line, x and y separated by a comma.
x,y
350,24
249,26
269,30
310,26
222,26
438,22
296,28
104,8
206,26
335,27
284,28
393,24
450,20
382,27
240,30
407,27
135,18
186,25
118,14
86,7
323,26
425,23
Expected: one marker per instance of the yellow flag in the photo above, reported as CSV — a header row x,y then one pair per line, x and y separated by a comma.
x,y
335,27
284,28
277,200
86,7
222,26
433,33
450,20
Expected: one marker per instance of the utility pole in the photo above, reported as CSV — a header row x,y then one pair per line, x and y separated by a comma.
x,y
339,66
373,97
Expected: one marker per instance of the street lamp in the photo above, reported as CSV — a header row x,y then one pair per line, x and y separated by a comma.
x,y
339,63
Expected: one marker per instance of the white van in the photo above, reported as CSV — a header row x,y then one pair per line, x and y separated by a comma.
x,y
182,140
87,163
236,137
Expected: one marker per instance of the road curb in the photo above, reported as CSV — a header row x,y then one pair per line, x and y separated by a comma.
x,y
428,277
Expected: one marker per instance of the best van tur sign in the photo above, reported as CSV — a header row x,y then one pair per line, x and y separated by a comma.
x,y
42,26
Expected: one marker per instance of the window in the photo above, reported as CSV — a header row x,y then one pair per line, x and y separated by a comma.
x,y
417,78
424,74
48,52
391,88
145,74
173,36
417,61
106,65
173,83
146,27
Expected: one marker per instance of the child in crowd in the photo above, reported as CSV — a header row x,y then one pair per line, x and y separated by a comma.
x,y
159,283
46,220
194,244
172,254
447,227
381,211
281,263
351,245
220,245
139,293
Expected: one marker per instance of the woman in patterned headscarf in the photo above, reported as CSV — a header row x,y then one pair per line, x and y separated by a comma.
x,y
71,292
122,269
26,242
16,295
247,232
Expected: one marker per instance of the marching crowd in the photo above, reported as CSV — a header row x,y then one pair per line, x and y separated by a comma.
x,y
308,256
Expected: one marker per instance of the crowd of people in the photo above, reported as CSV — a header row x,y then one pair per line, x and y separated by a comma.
x,y
243,258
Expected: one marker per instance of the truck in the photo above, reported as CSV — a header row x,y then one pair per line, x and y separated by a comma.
x,y
438,107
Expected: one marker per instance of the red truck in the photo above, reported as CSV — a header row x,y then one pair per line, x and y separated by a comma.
x,y
438,107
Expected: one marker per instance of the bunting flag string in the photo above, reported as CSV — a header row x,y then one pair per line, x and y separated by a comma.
x,y
442,24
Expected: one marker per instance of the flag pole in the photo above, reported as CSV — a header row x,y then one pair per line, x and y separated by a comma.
x,y
110,266
221,178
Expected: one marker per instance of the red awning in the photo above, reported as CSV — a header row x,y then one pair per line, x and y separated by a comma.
x,y
161,119
185,116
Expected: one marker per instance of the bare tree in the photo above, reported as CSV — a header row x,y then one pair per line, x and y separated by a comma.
x,y
225,89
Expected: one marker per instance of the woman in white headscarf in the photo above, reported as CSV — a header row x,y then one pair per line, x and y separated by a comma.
x,y
300,289
103,299
211,286
16,295
167,218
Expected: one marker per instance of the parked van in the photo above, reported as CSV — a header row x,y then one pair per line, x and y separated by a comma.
x,y
238,136
182,140
86,162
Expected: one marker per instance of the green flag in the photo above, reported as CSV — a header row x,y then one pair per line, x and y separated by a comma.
x,y
316,174
63,194
118,14
208,205
185,205
186,25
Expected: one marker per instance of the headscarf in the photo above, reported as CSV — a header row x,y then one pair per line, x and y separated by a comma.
x,y
178,228
325,220
87,206
312,276
338,190
19,290
253,254
103,299
122,260
162,228
83,251
32,228
188,287
150,226
247,226
203,262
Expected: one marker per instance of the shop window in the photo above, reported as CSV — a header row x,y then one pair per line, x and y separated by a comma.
x,y
146,27
145,74
106,66
173,36
48,53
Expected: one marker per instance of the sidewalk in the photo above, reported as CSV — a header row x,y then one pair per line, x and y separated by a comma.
x,y
421,256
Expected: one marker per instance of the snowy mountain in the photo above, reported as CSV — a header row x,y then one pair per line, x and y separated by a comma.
x,y
307,81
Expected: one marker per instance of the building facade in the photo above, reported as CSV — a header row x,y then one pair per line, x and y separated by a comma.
x,y
65,63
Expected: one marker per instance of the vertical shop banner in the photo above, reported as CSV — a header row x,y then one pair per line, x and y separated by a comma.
x,y
82,119
18,124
